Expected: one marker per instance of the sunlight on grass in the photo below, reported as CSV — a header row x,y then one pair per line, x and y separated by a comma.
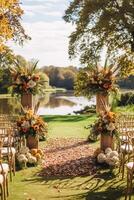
x,y
69,126
125,109
103,185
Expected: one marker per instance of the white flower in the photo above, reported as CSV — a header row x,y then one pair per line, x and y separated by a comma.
x,y
24,150
111,127
31,84
101,158
108,150
25,124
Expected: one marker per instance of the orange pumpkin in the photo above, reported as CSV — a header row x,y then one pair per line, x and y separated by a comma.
x,y
38,156
34,151
40,152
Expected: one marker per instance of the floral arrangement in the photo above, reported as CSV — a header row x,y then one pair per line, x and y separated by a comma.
x,y
31,124
27,79
108,156
106,124
91,81
29,157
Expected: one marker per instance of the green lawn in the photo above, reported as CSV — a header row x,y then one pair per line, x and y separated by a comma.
x,y
104,185
69,126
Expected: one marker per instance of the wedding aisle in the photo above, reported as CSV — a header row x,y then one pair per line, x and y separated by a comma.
x,y
68,157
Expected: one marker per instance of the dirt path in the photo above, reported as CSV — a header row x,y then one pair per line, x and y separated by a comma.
x,y
68,157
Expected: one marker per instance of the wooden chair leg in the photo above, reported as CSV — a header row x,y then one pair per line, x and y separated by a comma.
x,y
10,171
130,191
2,193
123,165
127,191
7,191
14,166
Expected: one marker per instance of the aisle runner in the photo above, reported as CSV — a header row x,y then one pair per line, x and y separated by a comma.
x,y
68,157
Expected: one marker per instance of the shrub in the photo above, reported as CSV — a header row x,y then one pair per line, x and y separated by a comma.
x,y
127,98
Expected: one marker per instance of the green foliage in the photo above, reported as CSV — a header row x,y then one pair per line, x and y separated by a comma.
x,y
100,24
127,98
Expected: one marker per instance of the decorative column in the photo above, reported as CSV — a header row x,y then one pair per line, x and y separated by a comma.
x,y
106,141
27,100
101,102
32,142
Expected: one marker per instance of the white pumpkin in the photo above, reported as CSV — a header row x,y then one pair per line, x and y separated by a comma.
x,y
101,158
114,153
22,158
24,150
108,150
112,161
28,155
32,160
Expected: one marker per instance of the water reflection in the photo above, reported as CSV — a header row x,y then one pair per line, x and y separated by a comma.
x,y
62,103
51,104
55,100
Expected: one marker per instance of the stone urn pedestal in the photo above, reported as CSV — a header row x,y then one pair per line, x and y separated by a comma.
x,y
32,142
101,102
106,141
27,100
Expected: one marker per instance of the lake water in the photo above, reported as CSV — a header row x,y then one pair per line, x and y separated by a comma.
x,y
60,103
63,103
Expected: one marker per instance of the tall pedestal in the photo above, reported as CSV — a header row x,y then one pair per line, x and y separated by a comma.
x,y
101,102
32,142
27,100
106,141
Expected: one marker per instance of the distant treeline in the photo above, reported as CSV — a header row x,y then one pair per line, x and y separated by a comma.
x,y
61,77
64,77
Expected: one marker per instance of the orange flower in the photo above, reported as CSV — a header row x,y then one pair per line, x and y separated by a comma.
x,y
106,86
36,77
36,127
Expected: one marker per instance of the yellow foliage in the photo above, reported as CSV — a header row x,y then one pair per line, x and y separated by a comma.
x,y
10,13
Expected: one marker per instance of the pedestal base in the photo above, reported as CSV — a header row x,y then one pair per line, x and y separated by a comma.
x,y
101,102
106,141
32,142
27,100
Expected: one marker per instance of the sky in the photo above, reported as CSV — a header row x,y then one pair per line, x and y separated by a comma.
x,y
43,22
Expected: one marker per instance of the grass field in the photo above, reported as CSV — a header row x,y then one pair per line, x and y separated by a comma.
x,y
102,186
69,126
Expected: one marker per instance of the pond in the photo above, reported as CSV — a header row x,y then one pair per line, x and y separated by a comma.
x,y
62,103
